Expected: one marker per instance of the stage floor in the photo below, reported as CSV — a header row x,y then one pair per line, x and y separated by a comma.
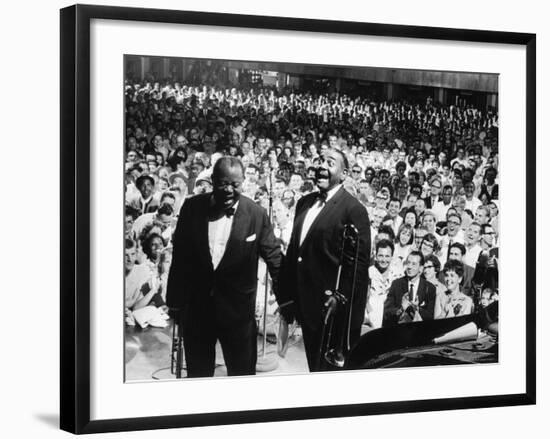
x,y
148,353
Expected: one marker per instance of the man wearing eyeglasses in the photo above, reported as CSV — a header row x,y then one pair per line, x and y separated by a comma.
x,y
356,173
454,235
435,190
213,277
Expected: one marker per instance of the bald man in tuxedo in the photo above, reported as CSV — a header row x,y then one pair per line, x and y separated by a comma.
x,y
213,277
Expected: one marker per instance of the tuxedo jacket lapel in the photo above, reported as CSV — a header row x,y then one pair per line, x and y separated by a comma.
x,y
201,226
325,212
299,219
236,234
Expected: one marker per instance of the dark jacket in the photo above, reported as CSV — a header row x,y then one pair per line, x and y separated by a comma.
x,y
192,278
311,268
400,287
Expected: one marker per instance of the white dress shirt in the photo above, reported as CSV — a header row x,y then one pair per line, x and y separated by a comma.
x,y
472,255
218,235
415,285
440,210
314,211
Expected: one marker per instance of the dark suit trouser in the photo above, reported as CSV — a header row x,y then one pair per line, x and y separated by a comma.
x,y
239,344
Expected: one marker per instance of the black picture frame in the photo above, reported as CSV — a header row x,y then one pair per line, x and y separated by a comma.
x,y
75,217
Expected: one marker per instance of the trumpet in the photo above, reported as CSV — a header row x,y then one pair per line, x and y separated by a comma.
x,y
338,308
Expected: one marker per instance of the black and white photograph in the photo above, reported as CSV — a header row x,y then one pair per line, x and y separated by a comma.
x,y
284,218
275,219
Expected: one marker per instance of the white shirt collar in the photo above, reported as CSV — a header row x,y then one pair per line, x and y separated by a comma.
x,y
414,283
145,200
331,192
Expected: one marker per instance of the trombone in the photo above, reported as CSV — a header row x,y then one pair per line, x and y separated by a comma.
x,y
338,308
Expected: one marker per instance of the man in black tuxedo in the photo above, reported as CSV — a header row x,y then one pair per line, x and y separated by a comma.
x,y
313,255
213,277
411,297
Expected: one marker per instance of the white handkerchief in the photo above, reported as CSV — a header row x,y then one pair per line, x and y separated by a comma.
x,y
251,238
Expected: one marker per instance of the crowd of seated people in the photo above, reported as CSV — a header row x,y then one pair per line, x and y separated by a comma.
x,y
426,173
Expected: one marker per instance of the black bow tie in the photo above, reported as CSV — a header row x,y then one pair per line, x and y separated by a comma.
x,y
322,197
216,213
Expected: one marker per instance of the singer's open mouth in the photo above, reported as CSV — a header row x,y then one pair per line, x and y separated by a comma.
x,y
322,174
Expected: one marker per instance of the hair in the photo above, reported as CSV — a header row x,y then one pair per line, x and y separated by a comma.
x,y
401,229
147,243
142,178
429,213
166,195
418,254
459,246
485,209
269,150
253,166
411,210
400,164
165,209
394,200
174,161
435,261
131,211
129,243
456,266
475,223
430,237
387,230
181,149
456,215
415,175
307,186
484,227
385,243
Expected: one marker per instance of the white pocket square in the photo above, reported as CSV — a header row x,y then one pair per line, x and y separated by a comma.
x,y
251,238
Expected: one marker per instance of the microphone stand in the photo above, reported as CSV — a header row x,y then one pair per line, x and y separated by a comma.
x,y
264,364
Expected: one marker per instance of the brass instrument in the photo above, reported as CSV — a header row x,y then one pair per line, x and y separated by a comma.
x,y
335,340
